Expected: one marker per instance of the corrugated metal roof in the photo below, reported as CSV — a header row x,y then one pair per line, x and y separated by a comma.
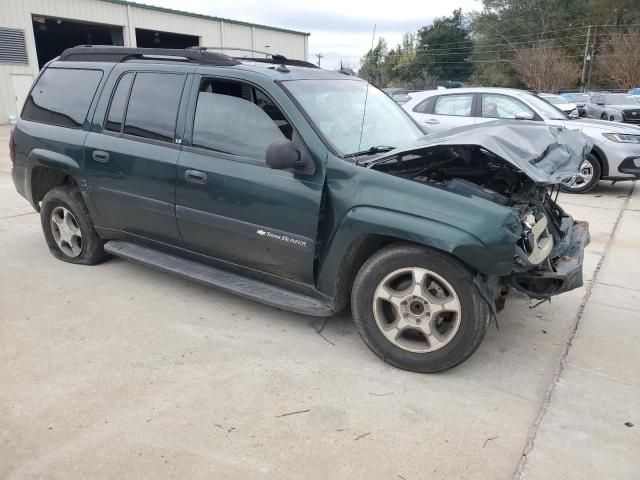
x,y
201,15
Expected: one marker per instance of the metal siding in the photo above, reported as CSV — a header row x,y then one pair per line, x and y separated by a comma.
x,y
17,14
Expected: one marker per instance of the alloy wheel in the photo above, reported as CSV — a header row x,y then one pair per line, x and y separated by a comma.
x,y
417,310
66,231
583,178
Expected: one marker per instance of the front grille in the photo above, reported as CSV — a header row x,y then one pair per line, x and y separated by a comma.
x,y
632,116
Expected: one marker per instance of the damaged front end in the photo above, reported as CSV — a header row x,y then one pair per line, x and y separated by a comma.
x,y
516,165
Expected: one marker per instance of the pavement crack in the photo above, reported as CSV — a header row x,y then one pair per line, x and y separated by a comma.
x,y
546,402
18,215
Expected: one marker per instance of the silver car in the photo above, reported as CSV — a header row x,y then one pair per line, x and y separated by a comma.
x,y
616,107
616,146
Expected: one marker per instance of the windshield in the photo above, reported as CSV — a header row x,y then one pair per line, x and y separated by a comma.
x,y
556,100
336,108
544,108
620,99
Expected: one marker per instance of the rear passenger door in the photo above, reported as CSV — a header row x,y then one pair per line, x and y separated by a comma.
x,y
131,159
445,112
229,204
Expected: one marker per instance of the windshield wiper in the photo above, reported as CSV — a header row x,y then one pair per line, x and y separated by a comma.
x,y
371,151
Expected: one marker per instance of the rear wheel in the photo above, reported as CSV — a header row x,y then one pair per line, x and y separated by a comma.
x,y
418,309
603,116
589,176
68,228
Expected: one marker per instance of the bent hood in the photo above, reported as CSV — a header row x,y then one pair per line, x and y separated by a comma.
x,y
547,155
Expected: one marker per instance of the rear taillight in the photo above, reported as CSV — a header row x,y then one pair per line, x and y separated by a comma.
x,y
12,146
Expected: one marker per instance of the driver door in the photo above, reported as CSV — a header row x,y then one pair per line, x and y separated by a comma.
x,y
229,204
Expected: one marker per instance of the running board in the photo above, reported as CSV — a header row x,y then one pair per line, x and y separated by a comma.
x,y
221,279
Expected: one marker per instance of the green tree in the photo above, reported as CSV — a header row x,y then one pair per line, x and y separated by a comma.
x,y
372,65
444,48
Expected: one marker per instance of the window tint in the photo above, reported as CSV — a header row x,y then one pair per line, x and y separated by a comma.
x,y
458,105
62,97
153,105
425,106
118,103
501,106
235,118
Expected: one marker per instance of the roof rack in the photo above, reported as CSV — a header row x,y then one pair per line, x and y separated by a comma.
x,y
275,58
97,53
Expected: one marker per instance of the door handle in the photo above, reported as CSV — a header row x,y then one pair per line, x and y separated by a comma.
x,y
100,156
430,121
195,176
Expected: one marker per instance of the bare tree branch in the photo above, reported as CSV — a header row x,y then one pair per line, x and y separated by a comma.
x,y
545,68
620,60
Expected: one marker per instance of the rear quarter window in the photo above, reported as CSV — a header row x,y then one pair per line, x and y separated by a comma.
x,y
62,96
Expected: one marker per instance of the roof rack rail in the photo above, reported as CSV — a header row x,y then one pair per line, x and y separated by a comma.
x,y
98,53
275,58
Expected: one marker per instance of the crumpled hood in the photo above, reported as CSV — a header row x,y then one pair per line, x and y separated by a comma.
x,y
547,155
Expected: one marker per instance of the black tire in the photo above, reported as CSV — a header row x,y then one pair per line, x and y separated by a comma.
x,y
474,317
70,198
603,116
612,118
587,186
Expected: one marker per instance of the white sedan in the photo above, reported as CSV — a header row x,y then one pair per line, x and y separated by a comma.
x,y
616,147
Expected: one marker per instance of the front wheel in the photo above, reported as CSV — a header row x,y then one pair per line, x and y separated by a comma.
x,y
418,309
589,176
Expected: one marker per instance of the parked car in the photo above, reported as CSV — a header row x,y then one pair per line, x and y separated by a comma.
x,y
616,147
263,178
635,92
561,103
580,99
398,95
616,107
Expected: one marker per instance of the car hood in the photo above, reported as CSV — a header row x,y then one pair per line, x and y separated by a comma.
x,y
629,106
604,125
548,155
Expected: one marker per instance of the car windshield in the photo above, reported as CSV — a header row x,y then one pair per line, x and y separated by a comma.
x,y
336,108
580,97
619,99
544,108
556,99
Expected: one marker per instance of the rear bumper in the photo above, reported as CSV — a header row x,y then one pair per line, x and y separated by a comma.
x,y
19,176
566,273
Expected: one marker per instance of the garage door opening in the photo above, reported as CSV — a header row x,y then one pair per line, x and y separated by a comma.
x,y
157,39
54,35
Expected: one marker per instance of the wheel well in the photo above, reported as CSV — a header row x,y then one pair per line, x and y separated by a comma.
x,y
602,159
358,253
44,179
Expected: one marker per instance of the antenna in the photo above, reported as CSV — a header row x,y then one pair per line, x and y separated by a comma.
x,y
366,94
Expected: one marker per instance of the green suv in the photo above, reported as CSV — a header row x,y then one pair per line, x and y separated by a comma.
x,y
286,184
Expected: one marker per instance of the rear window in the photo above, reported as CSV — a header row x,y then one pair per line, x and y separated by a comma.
x,y
62,97
153,106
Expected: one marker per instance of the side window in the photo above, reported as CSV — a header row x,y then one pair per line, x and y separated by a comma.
x,y
458,105
425,106
501,106
238,119
115,116
153,105
62,96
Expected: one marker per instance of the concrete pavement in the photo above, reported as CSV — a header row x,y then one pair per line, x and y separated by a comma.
x,y
121,371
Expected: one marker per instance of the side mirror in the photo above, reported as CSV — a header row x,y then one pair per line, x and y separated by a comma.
x,y
574,114
524,116
283,154
601,104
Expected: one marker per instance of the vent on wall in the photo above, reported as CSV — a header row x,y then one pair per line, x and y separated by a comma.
x,y
13,46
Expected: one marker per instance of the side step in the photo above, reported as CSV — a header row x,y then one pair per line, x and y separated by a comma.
x,y
221,279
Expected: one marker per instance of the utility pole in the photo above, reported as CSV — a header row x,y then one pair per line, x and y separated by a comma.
x,y
319,56
587,57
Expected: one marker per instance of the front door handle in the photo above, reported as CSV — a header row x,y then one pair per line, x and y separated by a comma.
x,y
100,156
431,121
195,176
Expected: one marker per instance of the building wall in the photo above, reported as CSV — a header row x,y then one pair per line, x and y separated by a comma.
x,y
212,32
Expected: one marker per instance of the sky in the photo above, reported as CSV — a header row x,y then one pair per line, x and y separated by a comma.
x,y
340,29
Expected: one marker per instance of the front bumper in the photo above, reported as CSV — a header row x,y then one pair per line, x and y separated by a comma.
x,y
566,271
617,155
